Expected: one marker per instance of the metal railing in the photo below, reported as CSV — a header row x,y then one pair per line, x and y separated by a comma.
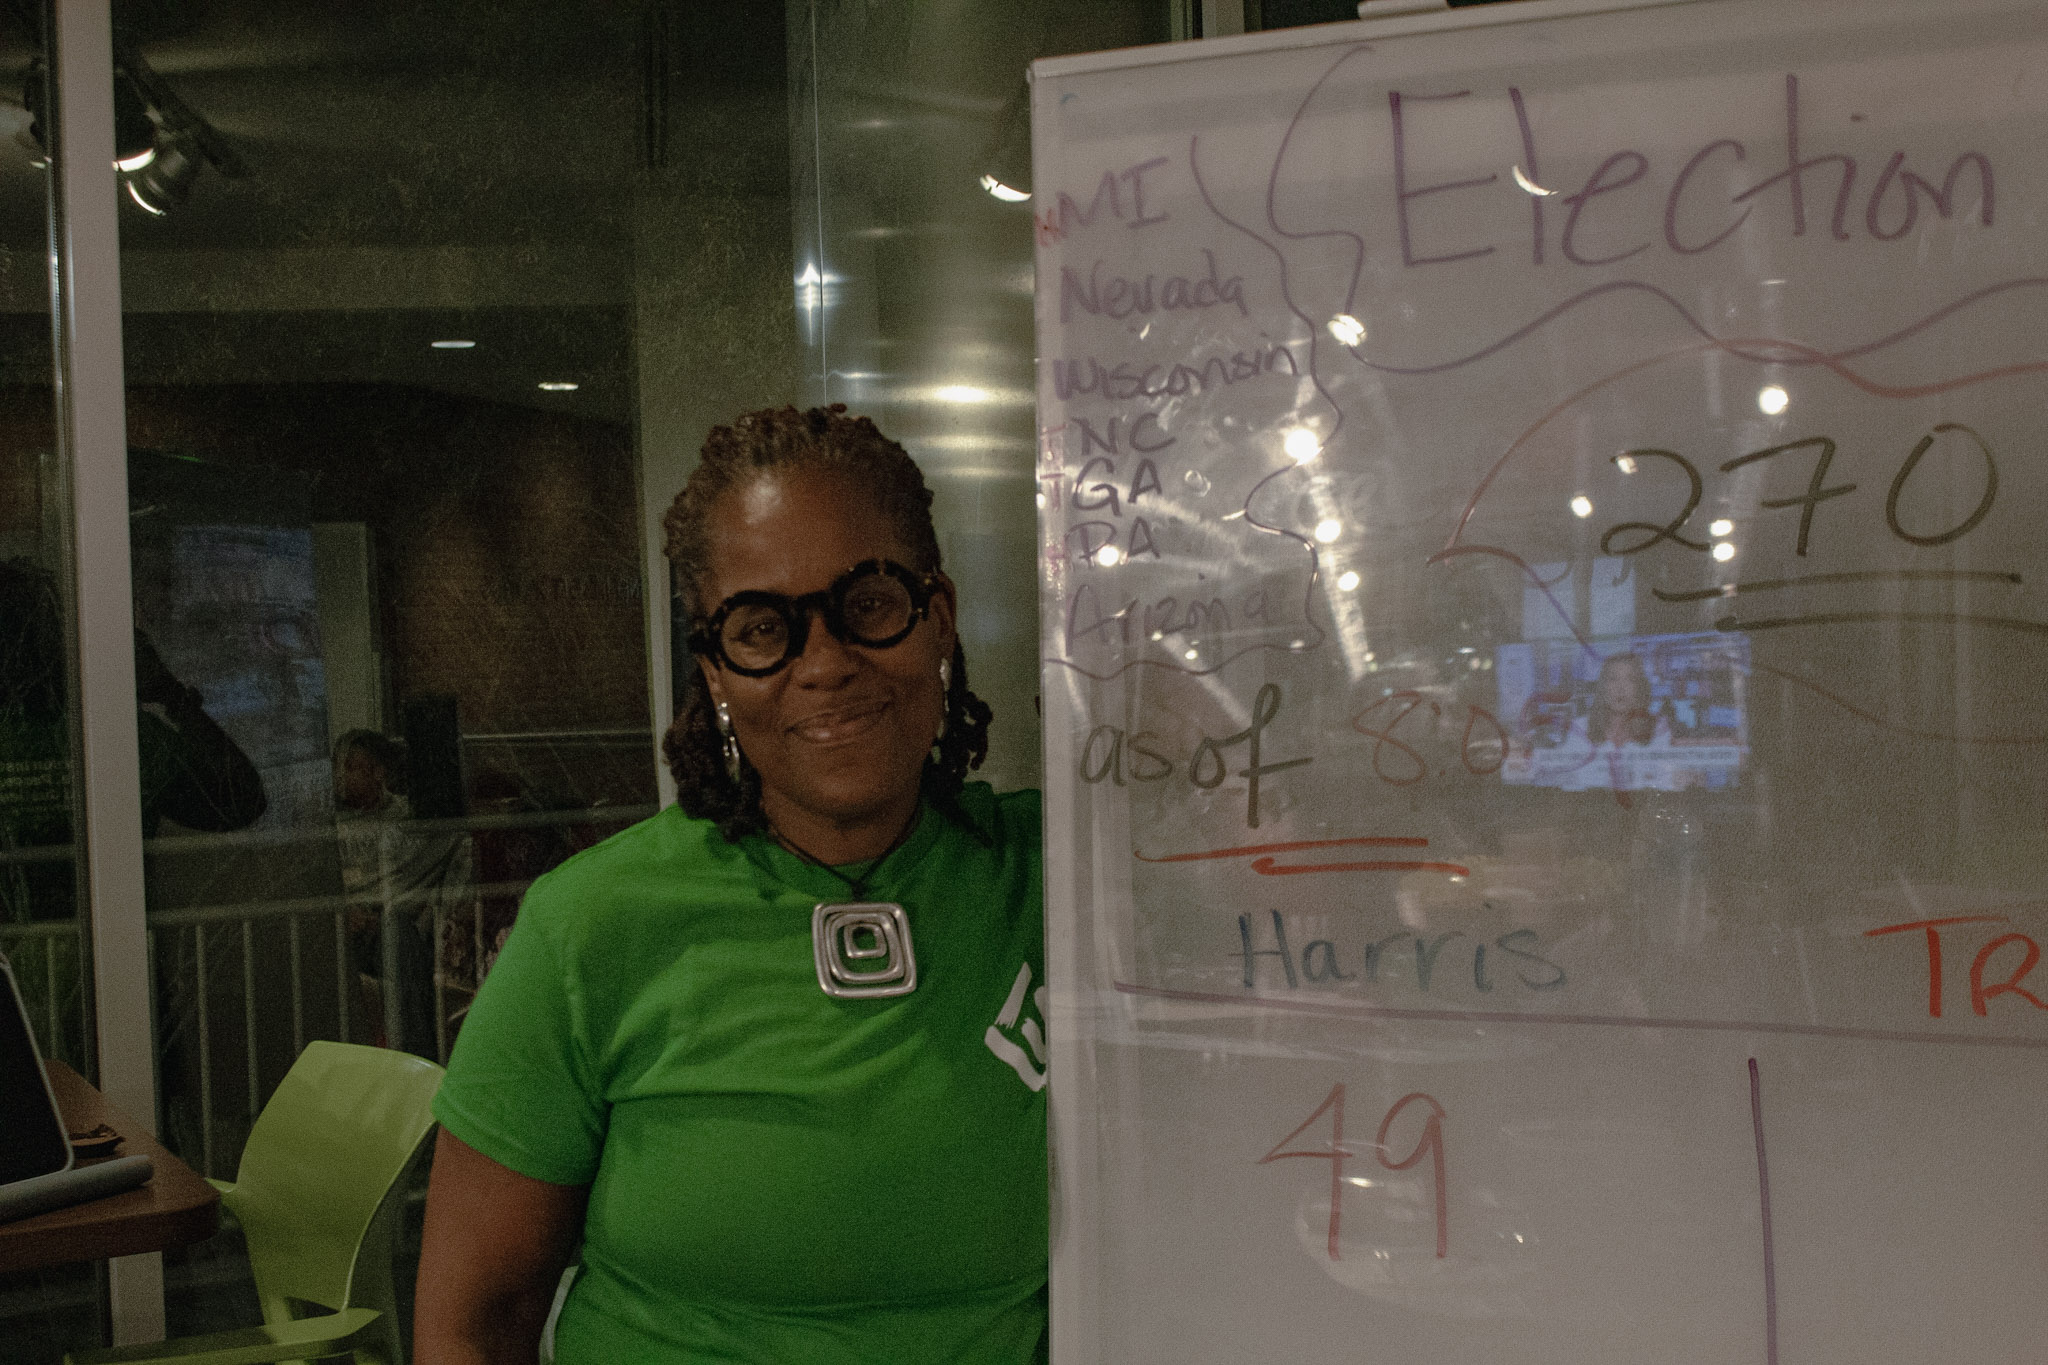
x,y
50,955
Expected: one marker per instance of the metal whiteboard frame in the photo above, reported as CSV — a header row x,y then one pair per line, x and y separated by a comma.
x,y
1322,35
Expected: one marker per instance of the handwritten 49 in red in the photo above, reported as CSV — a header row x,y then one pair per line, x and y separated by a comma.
x,y
1431,1144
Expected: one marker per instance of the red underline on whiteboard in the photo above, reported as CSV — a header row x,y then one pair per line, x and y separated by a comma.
x,y
1263,864
1578,1020
1266,867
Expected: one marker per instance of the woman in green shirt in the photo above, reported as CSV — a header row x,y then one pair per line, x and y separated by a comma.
x,y
774,1059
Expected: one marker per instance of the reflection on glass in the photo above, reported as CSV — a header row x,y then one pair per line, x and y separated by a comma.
x,y
1660,712
913,276
386,536
42,932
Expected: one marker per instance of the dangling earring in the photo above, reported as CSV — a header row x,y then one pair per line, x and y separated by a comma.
x,y
945,696
723,713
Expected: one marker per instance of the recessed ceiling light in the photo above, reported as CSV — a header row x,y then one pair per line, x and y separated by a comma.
x,y
451,345
558,385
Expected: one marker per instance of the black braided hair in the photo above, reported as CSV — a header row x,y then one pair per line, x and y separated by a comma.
x,y
778,441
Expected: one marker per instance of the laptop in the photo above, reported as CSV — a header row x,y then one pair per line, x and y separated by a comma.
x,y
33,1141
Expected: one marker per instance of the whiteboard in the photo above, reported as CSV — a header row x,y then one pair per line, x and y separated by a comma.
x,y
1543,664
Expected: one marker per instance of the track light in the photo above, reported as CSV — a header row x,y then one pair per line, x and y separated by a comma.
x,y
160,143
135,132
165,181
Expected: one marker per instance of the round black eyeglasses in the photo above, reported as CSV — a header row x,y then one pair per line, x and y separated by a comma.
x,y
874,604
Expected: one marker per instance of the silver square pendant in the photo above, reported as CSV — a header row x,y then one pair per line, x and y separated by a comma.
x,y
863,949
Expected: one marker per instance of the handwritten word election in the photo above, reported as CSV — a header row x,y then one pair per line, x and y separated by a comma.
x,y
1693,221
1608,217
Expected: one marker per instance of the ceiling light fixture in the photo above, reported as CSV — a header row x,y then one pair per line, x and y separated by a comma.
x,y
148,207
452,345
160,143
1006,156
558,385
998,190
166,181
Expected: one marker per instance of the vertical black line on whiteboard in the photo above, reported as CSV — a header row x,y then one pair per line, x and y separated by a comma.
x,y
1763,1189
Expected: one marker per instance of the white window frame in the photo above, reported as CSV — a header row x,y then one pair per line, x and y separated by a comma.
x,y
92,444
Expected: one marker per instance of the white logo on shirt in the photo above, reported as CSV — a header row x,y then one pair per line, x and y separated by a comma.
x,y
1032,1031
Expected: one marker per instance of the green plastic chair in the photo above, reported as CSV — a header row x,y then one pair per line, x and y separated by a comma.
x,y
344,1125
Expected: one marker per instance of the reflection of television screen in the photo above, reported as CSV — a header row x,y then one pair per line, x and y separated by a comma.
x,y
1659,712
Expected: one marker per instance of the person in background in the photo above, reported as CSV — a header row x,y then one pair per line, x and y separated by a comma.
x,y
774,1058
1624,739
1621,712
398,876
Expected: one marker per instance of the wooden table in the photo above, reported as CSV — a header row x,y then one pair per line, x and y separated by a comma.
x,y
173,1208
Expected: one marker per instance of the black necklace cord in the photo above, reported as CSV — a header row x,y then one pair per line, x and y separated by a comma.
x,y
856,887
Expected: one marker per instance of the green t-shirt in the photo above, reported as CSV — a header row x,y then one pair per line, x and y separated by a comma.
x,y
778,1175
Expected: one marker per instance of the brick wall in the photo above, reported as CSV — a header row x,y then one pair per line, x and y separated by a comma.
x,y
508,558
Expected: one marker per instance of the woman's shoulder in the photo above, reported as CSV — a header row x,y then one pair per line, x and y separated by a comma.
x,y
665,850
1010,819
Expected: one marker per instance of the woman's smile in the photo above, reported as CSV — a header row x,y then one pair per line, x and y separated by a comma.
x,y
841,724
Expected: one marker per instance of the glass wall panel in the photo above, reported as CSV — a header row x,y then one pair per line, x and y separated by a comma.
x,y
912,144
43,935
415,329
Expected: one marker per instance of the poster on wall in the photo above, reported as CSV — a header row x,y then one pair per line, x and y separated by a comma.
x,y
231,610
